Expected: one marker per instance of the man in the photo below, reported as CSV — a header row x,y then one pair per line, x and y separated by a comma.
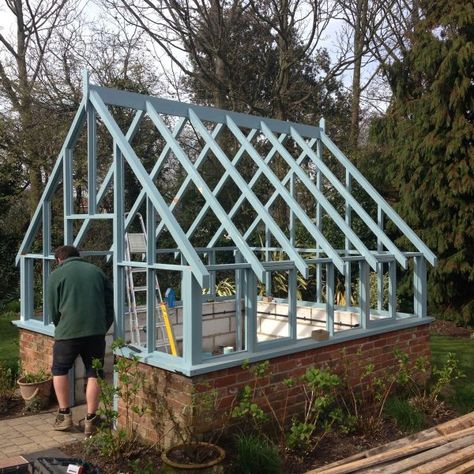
x,y
80,305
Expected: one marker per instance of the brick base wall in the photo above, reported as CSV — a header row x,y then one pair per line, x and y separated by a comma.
x,y
176,389
36,351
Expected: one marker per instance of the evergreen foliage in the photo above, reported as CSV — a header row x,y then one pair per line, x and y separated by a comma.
x,y
425,141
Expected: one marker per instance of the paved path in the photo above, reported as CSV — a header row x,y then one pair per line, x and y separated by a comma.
x,y
29,434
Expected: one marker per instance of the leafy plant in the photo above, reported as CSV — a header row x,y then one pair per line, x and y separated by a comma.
x,y
256,455
224,287
122,441
368,391
7,386
320,389
253,398
35,377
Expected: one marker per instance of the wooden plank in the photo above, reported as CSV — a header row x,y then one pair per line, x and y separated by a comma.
x,y
457,424
440,466
424,457
411,439
466,468
395,453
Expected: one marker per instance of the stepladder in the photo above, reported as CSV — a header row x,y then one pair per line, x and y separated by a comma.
x,y
137,289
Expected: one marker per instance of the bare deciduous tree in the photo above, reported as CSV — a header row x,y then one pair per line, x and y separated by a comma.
x,y
22,60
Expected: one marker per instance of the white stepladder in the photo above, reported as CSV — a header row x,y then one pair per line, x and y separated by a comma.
x,y
136,243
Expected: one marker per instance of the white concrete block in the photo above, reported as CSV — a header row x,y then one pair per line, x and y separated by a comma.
x,y
216,326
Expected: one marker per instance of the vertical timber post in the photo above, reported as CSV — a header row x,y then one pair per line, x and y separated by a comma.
x,y
46,253
91,159
347,243
380,285
192,319
250,302
67,193
319,218
364,297
118,246
392,289
292,306
26,288
239,281
419,284
330,298
151,280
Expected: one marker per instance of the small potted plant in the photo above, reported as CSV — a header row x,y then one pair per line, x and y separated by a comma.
x,y
35,389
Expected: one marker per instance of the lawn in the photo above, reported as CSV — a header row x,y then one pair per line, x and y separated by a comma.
x,y
463,395
8,339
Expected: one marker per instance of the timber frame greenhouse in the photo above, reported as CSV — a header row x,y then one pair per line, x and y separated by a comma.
x,y
201,232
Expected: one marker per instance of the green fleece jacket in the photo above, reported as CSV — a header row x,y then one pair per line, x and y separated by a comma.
x,y
80,300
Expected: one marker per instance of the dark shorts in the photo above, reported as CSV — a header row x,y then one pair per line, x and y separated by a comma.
x,y
65,353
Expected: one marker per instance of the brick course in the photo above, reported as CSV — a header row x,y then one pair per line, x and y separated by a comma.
x,y
36,351
177,389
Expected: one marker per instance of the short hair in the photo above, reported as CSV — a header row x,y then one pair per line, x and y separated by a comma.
x,y
66,251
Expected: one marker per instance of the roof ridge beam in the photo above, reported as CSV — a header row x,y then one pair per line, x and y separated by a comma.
x,y
155,197
204,189
251,197
136,101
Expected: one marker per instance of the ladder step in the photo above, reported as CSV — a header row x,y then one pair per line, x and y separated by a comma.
x,y
136,242
138,270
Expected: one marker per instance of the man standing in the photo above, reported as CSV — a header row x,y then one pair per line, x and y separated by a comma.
x,y
80,302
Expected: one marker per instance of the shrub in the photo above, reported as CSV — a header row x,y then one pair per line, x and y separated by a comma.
x,y
321,412
7,386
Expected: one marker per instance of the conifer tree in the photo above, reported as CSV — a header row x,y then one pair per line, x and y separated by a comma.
x,y
426,139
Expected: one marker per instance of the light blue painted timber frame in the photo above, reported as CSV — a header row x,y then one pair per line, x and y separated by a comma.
x,y
198,266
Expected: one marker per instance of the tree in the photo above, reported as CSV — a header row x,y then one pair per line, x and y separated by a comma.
x,y
21,65
426,139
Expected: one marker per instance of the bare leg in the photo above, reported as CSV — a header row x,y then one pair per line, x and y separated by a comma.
x,y
92,395
61,387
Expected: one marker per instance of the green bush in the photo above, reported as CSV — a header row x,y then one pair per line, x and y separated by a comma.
x,y
7,386
407,417
257,455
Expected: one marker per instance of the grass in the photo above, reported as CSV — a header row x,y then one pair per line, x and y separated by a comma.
x,y
462,397
9,339
407,417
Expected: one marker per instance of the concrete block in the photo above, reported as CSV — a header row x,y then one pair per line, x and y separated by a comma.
x,y
216,326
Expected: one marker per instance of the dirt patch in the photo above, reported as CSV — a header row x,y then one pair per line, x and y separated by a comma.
x,y
147,463
449,328
333,447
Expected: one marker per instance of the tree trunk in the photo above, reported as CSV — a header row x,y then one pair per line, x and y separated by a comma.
x,y
359,42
